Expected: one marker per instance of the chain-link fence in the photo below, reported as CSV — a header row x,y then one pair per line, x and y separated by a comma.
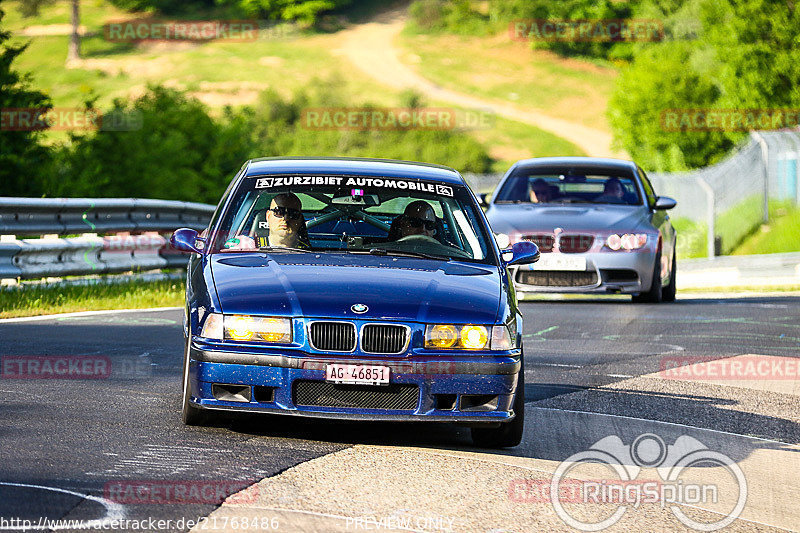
x,y
720,205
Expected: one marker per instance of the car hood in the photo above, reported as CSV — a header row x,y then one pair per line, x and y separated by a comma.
x,y
522,218
327,285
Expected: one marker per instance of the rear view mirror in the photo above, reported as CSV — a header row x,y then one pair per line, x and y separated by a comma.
x,y
357,197
522,253
187,240
665,202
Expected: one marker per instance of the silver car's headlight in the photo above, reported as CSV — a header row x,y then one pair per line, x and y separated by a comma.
x,y
626,241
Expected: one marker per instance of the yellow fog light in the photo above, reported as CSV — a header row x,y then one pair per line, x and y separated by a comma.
x,y
239,328
474,337
266,329
440,336
275,329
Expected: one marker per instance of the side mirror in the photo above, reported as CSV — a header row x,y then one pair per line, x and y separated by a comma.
x,y
483,199
521,253
665,202
187,240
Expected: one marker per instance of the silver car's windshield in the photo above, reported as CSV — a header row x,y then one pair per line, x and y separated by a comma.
x,y
569,188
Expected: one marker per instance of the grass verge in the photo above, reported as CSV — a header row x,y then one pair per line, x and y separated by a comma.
x,y
497,68
32,300
741,231
781,235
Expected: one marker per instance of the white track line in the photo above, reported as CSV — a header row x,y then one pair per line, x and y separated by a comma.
x,y
86,313
114,511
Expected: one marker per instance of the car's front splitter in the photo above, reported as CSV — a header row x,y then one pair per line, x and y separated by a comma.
x,y
602,265
449,390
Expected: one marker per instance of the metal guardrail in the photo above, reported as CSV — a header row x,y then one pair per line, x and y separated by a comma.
x,y
89,253
66,216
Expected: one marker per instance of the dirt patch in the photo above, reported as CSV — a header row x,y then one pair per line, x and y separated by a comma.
x,y
51,29
270,61
371,48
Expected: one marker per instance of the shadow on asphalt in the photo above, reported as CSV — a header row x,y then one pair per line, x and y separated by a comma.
x,y
553,433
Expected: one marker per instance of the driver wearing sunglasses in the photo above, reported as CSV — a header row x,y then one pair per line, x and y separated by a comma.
x,y
285,222
418,219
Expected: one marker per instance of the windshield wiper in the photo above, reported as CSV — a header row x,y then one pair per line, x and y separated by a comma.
x,y
286,249
404,253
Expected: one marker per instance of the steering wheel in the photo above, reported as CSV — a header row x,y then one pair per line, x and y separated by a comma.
x,y
421,239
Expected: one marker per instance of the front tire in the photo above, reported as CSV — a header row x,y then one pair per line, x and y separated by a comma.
x,y
191,415
668,294
653,295
509,434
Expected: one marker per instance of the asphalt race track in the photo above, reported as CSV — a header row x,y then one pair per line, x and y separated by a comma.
x,y
70,448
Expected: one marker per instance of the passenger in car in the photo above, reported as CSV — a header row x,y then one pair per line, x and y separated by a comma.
x,y
418,218
613,192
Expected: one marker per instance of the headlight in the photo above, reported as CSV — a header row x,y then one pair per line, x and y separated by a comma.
x,y
467,337
474,337
260,329
627,241
212,328
441,336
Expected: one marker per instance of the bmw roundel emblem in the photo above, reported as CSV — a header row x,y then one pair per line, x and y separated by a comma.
x,y
359,308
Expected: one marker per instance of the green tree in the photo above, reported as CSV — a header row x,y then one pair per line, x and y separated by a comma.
x,y
662,78
24,161
174,150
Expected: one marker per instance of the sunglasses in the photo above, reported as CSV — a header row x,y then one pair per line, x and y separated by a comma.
x,y
416,222
280,212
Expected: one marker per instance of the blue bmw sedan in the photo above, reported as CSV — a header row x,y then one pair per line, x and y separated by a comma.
x,y
358,289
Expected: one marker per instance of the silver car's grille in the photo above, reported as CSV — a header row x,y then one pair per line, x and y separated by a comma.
x,y
575,244
557,278
333,336
384,338
544,241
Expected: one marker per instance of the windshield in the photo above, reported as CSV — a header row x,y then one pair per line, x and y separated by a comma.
x,y
605,188
369,215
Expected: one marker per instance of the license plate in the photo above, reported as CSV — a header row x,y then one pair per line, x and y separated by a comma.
x,y
559,262
361,374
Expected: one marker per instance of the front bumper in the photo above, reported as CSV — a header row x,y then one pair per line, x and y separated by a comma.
x,y
606,273
444,387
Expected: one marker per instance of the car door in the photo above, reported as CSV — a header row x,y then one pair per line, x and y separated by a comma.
x,y
660,220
